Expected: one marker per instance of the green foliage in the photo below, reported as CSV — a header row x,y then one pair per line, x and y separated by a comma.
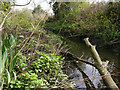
x,y
109,20
63,9
39,73
4,9
5,6
99,20
20,19
23,19
38,12
8,50
64,23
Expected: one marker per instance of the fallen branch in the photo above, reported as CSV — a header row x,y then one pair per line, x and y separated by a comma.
x,y
70,56
101,66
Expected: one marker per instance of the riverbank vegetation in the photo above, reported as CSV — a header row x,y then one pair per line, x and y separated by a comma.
x,y
98,20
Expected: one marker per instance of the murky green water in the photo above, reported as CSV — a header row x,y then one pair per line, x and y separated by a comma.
x,y
78,48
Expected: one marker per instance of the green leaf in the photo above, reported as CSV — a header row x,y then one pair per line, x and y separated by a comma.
x,y
15,77
1,61
8,76
4,58
12,41
14,61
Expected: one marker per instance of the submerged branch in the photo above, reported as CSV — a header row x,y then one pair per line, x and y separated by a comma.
x,y
70,56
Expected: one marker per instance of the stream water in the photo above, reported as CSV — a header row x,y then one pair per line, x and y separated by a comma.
x,y
78,48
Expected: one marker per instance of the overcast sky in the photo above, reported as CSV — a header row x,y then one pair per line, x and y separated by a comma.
x,y
44,4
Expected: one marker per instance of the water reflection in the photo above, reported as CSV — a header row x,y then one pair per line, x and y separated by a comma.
x,y
93,74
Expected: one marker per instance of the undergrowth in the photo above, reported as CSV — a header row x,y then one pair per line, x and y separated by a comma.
x,y
43,72
39,64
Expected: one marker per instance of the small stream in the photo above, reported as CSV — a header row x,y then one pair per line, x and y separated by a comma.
x,y
79,48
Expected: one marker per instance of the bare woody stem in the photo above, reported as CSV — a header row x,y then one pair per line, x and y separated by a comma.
x,y
101,66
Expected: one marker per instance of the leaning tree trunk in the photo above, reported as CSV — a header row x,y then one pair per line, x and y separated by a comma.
x,y
101,66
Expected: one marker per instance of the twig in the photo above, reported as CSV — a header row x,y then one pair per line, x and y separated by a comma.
x,y
1,25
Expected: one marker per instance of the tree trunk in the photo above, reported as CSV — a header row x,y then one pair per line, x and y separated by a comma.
x,y
101,66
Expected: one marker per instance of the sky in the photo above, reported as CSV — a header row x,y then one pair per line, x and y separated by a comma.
x,y
43,3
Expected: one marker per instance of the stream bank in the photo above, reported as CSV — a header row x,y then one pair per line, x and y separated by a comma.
x,y
95,40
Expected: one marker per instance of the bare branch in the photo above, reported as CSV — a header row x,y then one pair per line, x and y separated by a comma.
x,y
70,55
4,20
22,5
